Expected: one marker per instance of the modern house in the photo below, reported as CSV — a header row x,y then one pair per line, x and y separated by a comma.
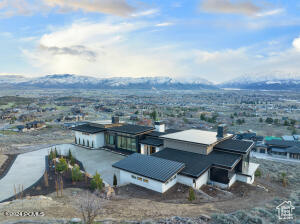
x,y
157,158
284,148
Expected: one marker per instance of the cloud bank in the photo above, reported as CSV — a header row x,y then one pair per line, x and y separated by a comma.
x,y
106,49
9,8
243,7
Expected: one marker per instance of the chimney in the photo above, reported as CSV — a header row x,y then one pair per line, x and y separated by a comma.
x,y
222,130
160,126
114,119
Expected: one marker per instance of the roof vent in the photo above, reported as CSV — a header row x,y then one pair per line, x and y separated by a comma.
x,y
222,130
160,126
115,120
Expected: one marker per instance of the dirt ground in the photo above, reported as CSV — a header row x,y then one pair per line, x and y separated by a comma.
x,y
23,142
135,203
250,203
3,158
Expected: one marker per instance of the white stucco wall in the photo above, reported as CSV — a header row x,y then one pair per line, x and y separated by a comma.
x,y
218,184
232,180
125,178
202,180
143,149
245,179
97,138
189,180
185,180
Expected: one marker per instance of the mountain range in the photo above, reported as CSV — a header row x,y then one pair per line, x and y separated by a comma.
x,y
274,81
68,81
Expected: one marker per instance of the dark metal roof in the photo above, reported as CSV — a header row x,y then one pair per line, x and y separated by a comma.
x,y
149,166
278,150
152,141
282,143
293,149
89,128
234,145
131,129
157,133
196,164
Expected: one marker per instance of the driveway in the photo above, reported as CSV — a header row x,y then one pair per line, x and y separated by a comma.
x,y
29,167
97,160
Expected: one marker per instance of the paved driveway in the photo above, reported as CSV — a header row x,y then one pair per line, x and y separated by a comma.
x,y
29,167
97,160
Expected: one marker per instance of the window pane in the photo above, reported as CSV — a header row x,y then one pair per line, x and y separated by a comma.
x,y
123,142
111,140
129,143
119,141
133,144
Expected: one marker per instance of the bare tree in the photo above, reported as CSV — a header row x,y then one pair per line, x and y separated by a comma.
x,y
89,205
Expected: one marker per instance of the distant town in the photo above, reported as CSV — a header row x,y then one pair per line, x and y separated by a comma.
x,y
176,148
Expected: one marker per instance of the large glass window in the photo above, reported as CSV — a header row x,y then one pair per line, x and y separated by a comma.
x,y
127,143
109,139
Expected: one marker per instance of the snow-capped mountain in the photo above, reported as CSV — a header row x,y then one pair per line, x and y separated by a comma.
x,y
86,82
274,81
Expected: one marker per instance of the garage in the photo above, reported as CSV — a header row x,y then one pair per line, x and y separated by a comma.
x,y
149,172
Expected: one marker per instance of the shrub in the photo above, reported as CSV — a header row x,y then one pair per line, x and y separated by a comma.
x,y
56,153
70,156
258,173
62,165
192,196
72,161
283,178
53,154
115,182
96,182
76,174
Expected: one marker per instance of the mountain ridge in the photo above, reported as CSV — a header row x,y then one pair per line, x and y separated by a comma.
x,y
70,81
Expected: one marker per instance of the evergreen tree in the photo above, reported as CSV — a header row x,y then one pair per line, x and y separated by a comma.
x,y
192,196
97,182
115,182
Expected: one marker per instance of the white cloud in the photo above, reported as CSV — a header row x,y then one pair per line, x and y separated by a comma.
x,y
164,24
296,43
226,64
244,7
9,8
106,49
148,12
114,7
227,6
100,49
270,12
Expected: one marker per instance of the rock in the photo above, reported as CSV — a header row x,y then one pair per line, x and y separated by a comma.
x,y
110,192
204,217
75,220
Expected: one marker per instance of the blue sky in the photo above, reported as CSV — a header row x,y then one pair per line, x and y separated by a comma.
x,y
217,40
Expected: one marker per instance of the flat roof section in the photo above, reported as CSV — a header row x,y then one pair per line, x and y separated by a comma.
x,y
234,145
90,128
152,141
148,166
195,136
131,129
